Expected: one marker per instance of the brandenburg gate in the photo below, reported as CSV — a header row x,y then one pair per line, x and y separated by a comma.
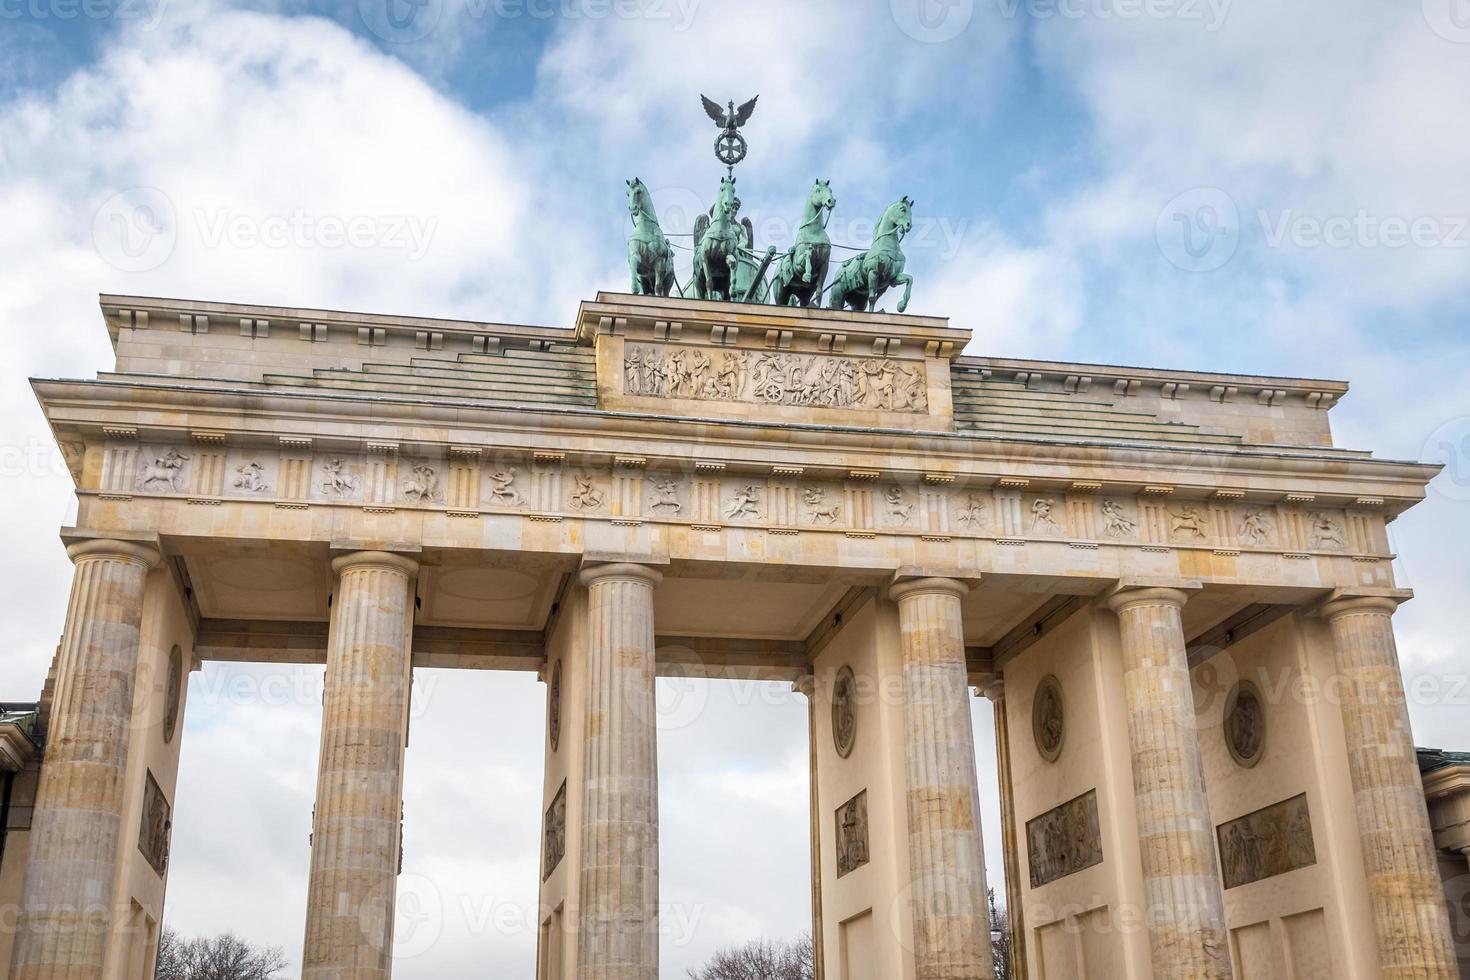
x,y
1152,574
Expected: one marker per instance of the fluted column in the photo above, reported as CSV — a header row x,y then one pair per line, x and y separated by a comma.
x,y
806,686
66,909
1015,911
618,937
946,856
1185,911
1404,886
359,794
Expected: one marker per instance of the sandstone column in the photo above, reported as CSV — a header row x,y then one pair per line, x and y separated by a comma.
x,y
359,795
995,690
67,910
1393,822
618,920
807,687
1181,879
951,917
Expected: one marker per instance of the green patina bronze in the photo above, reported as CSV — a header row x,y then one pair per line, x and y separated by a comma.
x,y
864,278
727,266
802,274
650,258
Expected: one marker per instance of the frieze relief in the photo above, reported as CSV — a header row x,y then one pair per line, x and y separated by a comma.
x,y
554,845
707,496
1064,840
852,834
775,378
1269,842
156,826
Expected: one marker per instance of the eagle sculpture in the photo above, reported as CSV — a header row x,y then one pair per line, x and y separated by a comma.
x,y
732,119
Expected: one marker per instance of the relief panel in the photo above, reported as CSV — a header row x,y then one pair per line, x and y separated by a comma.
x,y
775,378
1271,841
1064,840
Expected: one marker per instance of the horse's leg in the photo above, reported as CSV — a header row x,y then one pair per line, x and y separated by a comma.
x,y
875,289
909,290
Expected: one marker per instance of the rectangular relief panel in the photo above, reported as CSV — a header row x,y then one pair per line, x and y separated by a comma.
x,y
153,830
775,378
555,846
1255,959
1306,946
1271,841
1064,840
852,834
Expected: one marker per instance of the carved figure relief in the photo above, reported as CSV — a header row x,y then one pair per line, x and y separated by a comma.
x,y
1327,532
554,846
1188,521
844,714
172,692
972,515
1065,840
503,490
586,496
1048,718
852,834
1255,528
1041,520
164,472
155,827
422,485
665,497
1116,523
900,508
336,481
745,504
1245,724
1271,841
817,507
553,708
806,380
250,477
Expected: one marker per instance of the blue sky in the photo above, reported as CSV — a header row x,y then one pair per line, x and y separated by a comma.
x,y
1230,185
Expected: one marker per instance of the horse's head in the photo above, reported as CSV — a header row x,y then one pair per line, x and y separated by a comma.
x,y
727,205
898,218
639,200
821,197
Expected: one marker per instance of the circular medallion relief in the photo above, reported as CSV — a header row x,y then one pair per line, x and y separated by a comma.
x,y
172,691
1245,724
553,709
1048,721
844,716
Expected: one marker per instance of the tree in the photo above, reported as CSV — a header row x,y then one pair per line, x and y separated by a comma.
x,y
225,957
761,959
1000,939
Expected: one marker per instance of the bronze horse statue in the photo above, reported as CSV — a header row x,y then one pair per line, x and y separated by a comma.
x,y
718,242
650,259
864,278
802,274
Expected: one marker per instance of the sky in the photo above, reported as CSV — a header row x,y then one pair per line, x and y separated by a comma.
x,y
1227,185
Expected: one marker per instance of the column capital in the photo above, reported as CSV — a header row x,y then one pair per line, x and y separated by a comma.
x,y
375,559
992,688
805,685
138,552
1127,596
906,587
620,571
1344,602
